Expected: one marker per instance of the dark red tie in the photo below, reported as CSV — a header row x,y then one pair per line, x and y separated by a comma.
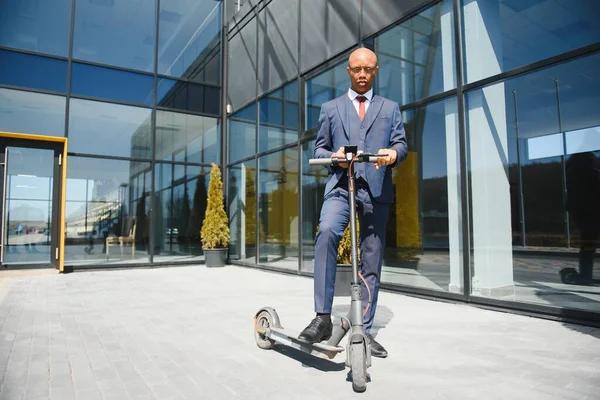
x,y
361,106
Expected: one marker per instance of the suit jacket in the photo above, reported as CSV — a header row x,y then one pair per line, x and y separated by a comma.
x,y
381,128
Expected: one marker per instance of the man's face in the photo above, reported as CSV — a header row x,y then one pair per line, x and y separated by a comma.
x,y
362,68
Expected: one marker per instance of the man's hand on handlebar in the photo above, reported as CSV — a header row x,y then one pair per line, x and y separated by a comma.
x,y
390,157
341,155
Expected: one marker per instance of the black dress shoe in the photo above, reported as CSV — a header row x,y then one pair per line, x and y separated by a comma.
x,y
377,350
318,330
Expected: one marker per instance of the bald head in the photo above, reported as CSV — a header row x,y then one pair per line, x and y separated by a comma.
x,y
362,68
362,55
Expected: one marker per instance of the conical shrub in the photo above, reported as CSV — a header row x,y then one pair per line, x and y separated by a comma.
x,y
215,228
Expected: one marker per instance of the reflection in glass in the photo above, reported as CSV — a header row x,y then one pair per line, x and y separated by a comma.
x,y
188,138
107,83
278,116
188,96
181,195
107,211
18,69
507,34
416,58
29,191
41,26
189,40
242,133
35,113
424,225
535,137
314,179
242,213
324,87
278,208
120,33
109,129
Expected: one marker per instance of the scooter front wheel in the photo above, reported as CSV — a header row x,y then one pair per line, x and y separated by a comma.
x,y
358,364
263,321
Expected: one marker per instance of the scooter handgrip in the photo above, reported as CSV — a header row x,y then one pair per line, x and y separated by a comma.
x,y
320,161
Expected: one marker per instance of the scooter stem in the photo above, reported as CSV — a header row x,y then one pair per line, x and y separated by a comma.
x,y
355,314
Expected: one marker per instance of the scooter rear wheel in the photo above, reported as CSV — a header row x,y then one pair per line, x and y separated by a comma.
x,y
358,363
263,321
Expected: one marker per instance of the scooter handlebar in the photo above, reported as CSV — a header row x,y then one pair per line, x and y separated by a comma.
x,y
362,157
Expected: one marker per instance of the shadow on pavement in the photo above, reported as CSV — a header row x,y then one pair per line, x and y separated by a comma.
x,y
311,361
383,316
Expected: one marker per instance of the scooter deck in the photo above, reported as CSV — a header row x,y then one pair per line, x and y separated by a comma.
x,y
290,338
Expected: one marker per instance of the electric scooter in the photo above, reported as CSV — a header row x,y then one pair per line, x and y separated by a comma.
x,y
267,325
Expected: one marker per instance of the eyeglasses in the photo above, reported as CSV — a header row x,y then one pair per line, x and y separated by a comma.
x,y
368,70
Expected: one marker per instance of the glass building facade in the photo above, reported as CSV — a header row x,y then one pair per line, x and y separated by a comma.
x,y
136,89
499,99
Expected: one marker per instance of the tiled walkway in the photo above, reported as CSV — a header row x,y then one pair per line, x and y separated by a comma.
x,y
187,332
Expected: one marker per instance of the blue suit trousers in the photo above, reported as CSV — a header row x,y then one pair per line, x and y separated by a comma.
x,y
334,217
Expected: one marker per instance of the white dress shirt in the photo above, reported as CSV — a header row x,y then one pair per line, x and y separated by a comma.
x,y
352,94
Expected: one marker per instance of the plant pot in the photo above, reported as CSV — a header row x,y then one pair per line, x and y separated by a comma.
x,y
343,278
215,257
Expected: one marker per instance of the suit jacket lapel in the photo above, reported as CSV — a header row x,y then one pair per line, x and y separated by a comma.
x,y
372,112
342,105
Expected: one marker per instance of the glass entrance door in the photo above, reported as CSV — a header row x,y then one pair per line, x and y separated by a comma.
x,y
28,204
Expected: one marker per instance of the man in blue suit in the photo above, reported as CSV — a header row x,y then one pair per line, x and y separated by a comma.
x,y
375,125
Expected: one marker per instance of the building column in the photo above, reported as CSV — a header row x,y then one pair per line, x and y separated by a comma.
x,y
488,147
452,150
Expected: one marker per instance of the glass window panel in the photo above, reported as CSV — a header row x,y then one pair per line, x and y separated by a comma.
x,y
324,87
40,26
189,39
394,79
107,83
291,116
416,58
120,33
272,131
545,146
424,225
545,195
103,204
314,179
18,69
184,137
507,34
247,113
211,73
270,111
181,196
290,91
278,208
27,112
188,96
109,129
242,133
290,110
578,92
583,140
277,94
241,210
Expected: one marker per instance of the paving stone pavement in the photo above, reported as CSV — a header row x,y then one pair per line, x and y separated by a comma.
x,y
187,333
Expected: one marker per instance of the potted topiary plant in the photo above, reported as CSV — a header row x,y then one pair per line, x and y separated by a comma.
x,y
215,227
343,273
